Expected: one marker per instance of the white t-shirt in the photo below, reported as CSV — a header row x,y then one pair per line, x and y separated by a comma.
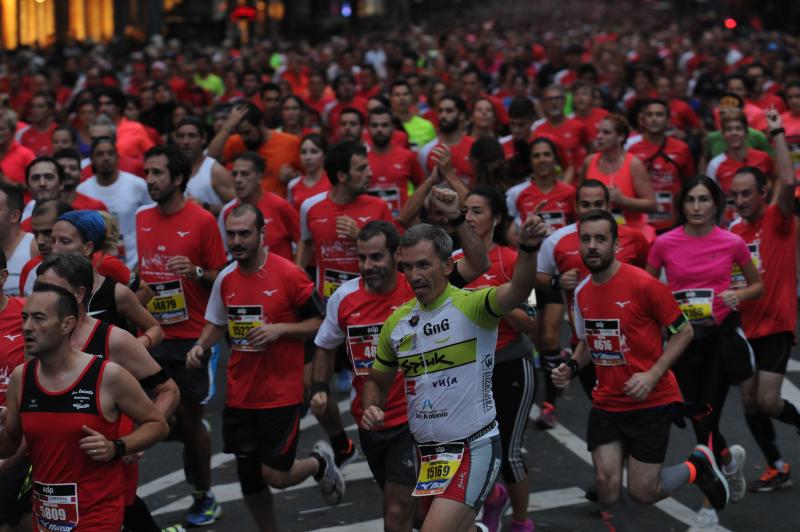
x,y
123,198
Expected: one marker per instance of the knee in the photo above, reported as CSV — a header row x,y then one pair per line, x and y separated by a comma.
x,y
608,485
643,494
769,404
275,479
248,469
397,517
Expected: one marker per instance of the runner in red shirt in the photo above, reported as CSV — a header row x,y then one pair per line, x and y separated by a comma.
x,y
268,306
681,115
344,86
570,134
521,113
392,168
560,268
667,159
330,221
791,123
42,221
14,157
474,90
585,111
70,161
314,180
38,136
723,167
620,312
350,126
76,466
624,174
355,314
282,224
452,124
180,255
770,321
43,179
757,74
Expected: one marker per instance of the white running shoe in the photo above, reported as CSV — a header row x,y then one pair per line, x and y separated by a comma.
x,y
736,481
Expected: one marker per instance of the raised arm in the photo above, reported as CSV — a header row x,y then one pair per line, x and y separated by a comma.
x,y
784,169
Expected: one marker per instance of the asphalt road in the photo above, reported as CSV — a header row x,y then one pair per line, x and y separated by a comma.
x,y
559,465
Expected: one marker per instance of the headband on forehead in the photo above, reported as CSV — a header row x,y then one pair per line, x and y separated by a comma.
x,y
90,225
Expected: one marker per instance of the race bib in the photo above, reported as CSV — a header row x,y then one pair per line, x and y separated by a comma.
x,y
737,277
554,219
438,464
391,196
697,305
168,304
334,279
241,320
362,346
604,340
55,506
619,216
664,208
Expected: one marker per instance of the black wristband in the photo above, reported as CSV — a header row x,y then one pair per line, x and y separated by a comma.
x,y
527,248
573,368
458,220
320,387
777,131
120,449
555,282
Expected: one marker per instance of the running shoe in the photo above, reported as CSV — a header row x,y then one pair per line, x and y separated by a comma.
x,y
346,456
706,518
591,493
547,417
736,481
709,478
332,482
174,528
204,511
772,479
495,507
480,527
525,526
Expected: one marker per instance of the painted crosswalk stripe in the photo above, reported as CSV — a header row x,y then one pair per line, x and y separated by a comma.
x,y
219,459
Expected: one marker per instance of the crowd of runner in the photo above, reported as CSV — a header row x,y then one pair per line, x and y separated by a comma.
x,y
424,214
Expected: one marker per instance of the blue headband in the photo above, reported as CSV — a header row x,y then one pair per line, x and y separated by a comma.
x,y
90,225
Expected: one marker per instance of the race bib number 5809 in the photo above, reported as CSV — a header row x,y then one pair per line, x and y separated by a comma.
x,y
55,506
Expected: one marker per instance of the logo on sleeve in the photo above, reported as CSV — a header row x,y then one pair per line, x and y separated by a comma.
x,y
364,219
269,293
12,337
183,234
621,304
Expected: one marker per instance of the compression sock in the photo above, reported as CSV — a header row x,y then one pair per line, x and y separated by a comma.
x,y
764,433
615,516
789,414
551,358
138,518
675,477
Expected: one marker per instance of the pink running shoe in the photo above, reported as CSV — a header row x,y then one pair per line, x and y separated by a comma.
x,y
495,506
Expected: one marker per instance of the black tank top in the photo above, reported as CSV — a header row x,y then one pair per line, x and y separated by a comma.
x,y
35,400
103,304
98,341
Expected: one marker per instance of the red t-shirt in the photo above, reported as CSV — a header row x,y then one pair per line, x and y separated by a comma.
x,y
621,322
399,138
571,135
272,377
14,162
281,148
682,116
668,165
460,158
12,342
771,241
83,202
39,142
281,223
723,167
391,172
298,192
355,317
332,111
337,259
791,124
590,121
559,210
178,302
769,100
502,259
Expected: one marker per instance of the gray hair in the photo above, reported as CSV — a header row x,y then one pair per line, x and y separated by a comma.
x,y
442,243
104,121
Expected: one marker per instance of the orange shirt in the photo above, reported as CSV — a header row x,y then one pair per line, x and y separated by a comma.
x,y
132,139
279,149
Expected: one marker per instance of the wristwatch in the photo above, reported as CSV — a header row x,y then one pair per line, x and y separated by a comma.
x,y
198,272
120,449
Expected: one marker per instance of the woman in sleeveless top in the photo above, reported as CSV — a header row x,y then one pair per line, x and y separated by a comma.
x,y
84,232
625,176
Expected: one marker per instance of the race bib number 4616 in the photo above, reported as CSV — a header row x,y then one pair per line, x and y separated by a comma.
x,y
603,338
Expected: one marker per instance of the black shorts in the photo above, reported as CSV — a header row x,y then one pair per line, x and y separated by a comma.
x,y
721,348
271,433
772,352
548,296
644,433
390,455
195,384
14,504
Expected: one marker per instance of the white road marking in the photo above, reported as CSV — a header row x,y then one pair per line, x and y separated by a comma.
x,y
219,459
670,506
793,365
